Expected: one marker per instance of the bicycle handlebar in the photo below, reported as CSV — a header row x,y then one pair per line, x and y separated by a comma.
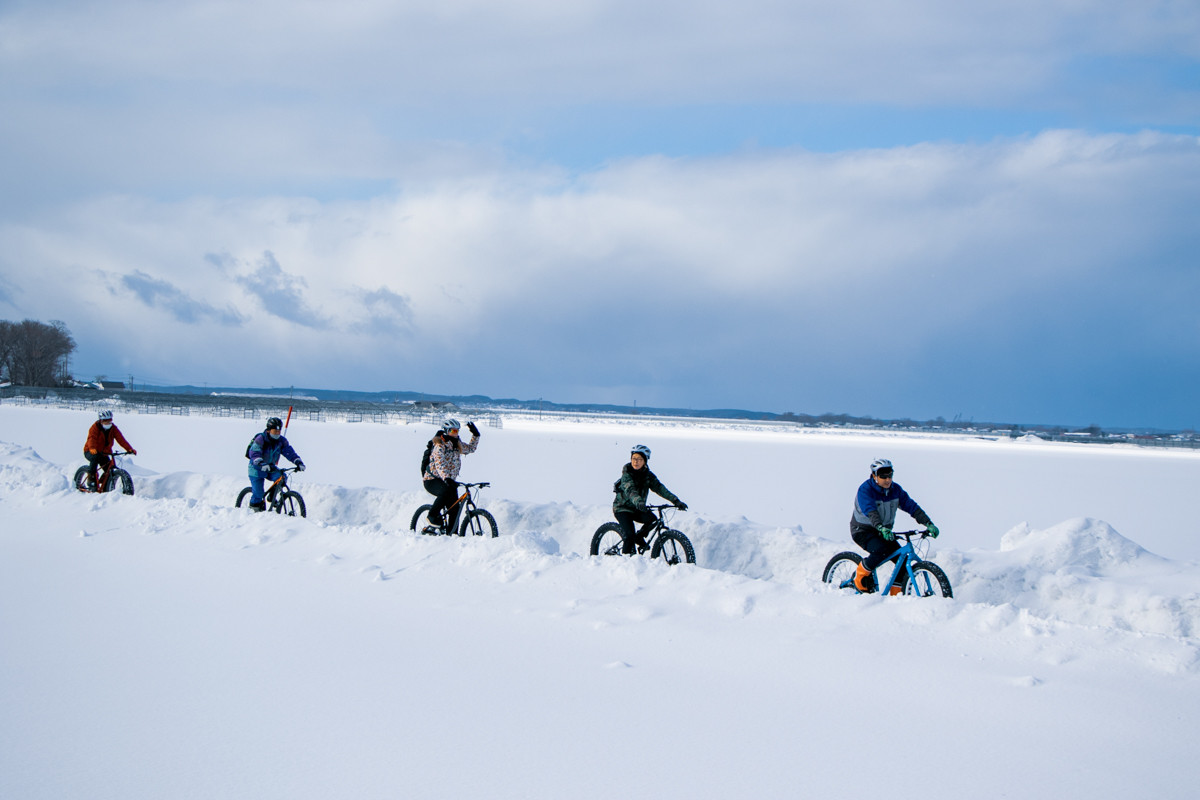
x,y
482,485
909,534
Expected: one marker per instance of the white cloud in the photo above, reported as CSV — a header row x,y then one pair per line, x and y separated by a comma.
x,y
744,280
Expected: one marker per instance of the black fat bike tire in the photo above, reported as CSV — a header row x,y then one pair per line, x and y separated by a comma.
x,y
242,495
423,511
486,523
116,478
835,570
940,581
669,543
602,544
120,477
291,505
81,479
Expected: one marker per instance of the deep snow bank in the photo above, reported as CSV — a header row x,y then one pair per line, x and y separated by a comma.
x,y
1079,573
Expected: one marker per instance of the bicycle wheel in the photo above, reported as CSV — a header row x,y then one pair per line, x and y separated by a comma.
x,y
674,547
84,481
243,495
927,580
420,520
607,540
291,505
120,478
479,523
841,569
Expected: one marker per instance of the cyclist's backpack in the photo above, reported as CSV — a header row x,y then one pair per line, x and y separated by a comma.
x,y
425,458
250,445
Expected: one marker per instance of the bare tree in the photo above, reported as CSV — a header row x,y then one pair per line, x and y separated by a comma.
x,y
33,353
8,337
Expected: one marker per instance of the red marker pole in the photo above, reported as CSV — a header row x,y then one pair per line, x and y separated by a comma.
x,y
287,421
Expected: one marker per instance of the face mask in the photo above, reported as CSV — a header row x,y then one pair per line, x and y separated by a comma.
x,y
106,425
275,435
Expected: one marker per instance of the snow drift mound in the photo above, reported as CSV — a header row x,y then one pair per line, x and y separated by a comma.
x,y
1083,572
24,472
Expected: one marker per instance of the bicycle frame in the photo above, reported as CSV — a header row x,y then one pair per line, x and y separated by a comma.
x,y
275,491
104,474
467,498
904,557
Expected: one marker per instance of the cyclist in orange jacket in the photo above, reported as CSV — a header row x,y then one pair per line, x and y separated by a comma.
x,y
99,446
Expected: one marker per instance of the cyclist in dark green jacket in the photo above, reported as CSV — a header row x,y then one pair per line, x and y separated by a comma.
x,y
632,489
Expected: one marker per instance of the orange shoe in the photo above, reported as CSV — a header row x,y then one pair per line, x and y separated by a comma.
x,y
895,590
863,580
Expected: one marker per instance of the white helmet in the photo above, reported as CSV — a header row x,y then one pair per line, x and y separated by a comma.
x,y
642,450
450,425
105,414
881,465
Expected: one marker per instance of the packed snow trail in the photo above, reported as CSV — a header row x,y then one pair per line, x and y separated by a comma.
x,y
169,645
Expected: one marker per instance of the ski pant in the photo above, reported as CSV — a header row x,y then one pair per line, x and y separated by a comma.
x,y
879,549
445,494
257,491
98,466
631,540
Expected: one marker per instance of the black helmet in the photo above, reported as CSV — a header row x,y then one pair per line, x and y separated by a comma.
x,y
274,422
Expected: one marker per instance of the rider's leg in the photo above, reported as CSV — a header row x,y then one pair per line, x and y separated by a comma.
x,y
878,550
256,490
625,520
451,504
444,494
95,460
647,519
633,542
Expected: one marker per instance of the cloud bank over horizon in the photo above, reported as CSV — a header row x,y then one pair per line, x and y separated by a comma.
x,y
808,208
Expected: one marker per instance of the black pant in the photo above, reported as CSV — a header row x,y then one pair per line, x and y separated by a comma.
x,y
102,463
879,549
634,540
446,497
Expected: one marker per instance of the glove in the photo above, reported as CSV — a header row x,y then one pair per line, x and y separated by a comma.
x,y
299,466
682,506
933,529
886,533
471,427
133,452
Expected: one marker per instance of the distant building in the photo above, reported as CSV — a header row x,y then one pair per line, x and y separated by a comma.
x,y
107,386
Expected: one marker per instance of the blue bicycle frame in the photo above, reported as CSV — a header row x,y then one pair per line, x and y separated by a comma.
x,y
903,557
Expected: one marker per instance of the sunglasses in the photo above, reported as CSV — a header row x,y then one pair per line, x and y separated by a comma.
x,y
883,474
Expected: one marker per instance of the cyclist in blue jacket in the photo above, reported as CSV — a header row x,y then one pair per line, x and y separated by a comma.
x,y
875,508
264,452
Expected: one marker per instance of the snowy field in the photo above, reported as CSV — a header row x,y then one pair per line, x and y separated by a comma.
x,y
170,646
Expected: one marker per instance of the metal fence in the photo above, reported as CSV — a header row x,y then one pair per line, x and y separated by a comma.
x,y
243,407
432,413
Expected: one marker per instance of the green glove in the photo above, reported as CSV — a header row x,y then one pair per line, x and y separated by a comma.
x,y
933,529
886,533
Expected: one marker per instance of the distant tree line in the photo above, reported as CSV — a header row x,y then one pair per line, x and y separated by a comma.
x,y
33,353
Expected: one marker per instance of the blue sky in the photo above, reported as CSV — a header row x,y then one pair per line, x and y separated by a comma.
x,y
916,209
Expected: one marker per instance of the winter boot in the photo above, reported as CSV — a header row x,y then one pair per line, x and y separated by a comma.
x,y
261,505
897,588
863,580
